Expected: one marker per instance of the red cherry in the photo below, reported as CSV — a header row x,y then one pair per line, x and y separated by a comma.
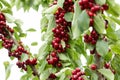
x,y
107,65
105,6
56,45
91,22
93,42
59,65
93,66
53,76
53,54
91,14
74,72
85,1
55,59
81,3
50,62
77,69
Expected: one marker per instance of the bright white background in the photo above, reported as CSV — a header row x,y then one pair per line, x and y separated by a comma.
x,y
30,19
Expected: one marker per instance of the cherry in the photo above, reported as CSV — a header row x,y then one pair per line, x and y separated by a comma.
x,y
74,72
77,69
53,76
85,1
56,45
93,66
105,6
50,62
53,54
91,14
107,65
59,65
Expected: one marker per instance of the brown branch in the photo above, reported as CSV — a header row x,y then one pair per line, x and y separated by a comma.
x,y
98,63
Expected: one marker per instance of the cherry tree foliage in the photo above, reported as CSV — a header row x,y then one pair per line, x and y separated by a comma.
x,y
71,29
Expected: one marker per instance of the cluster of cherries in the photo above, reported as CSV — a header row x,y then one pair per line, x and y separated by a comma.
x,y
30,62
53,59
92,38
92,8
77,74
67,5
18,52
60,34
3,27
59,16
7,42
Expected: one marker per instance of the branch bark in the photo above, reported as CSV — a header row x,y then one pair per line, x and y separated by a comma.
x,y
98,63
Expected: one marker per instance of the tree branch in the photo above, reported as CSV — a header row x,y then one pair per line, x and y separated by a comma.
x,y
98,63
16,43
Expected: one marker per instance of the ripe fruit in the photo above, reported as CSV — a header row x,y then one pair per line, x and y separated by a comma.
x,y
93,66
77,74
107,65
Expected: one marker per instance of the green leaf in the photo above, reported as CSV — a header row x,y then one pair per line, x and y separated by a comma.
x,y
1,6
101,2
107,73
43,51
111,33
34,44
5,3
114,63
94,76
99,24
18,22
51,23
31,30
43,23
42,67
35,78
7,69
102,47
60,3
22,35
83,21
63,43
24,57
75,27
29,70
114,8
108,56
52,9
63,71
115,19
62,77
115,47
63,57
16,36
90,59
14,47
1,45
44,75
6,10
68,16
9,18
26,76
